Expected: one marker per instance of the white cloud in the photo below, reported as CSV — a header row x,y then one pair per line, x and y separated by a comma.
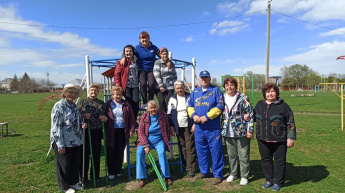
x,y
188,39
335,32
229,9
227,27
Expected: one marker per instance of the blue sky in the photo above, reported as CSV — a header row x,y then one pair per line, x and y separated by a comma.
x,y
225,37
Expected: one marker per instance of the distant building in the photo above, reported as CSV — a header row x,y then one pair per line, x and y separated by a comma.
x,y
275,80
6,83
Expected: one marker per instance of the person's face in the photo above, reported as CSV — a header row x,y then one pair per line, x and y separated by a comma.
x,y
128,53
117,95
230,88
152,109
165,56
71,94
271,95
179,89
93,92
205,81
144,40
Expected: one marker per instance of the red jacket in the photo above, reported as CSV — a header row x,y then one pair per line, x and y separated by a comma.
x,y
144,125
121,74
128,117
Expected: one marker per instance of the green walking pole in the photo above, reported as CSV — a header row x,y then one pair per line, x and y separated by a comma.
x,y
93,165
153,163
105,155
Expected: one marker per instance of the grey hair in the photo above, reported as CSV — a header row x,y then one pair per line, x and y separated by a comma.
x,y
152,102
179,82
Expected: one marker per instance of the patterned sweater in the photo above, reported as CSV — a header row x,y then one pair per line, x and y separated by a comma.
x,y
66,128
144,125
96,108
164,76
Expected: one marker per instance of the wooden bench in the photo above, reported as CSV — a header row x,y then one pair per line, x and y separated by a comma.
x,y
2,129
302,95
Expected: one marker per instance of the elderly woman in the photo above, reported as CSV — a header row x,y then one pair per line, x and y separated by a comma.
x,y
236,131
165,75
120,126
66,137
127,77
177,111
93,111
153,133
275,132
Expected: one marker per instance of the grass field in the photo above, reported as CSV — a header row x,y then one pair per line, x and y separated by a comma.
x,y
315,164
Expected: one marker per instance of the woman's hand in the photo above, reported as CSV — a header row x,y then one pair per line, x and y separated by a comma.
x,y
122,61
172,131
84,125
246,117
147,150
62,151
103,118
249,135
162,89
131,134
290,143
87,115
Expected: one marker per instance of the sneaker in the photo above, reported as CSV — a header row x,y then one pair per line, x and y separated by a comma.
x,y
216,181
267,185
142,183
111,177
76,187
199,176
70,190
244,181
231,178
191,174
275,187
168,182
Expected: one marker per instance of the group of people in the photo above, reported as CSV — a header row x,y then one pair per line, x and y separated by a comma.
x,y
199,119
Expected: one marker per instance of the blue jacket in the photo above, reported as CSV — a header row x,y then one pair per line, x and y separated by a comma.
x,y
209,104
146,57
172,112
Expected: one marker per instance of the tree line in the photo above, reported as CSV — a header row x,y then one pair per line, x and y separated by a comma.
x,y
30,85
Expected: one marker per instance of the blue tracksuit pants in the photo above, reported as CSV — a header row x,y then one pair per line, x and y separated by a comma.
x,y
205,141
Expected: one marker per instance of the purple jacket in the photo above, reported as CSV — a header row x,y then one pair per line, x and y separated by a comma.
x,y
144,125
128,117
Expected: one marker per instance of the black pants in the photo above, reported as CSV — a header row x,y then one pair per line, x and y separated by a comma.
x,y
187,144
68,165
274,171
115,154
163,98
96,142
143,78
132,96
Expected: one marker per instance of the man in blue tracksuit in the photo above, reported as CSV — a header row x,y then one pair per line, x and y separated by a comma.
x,y
205,107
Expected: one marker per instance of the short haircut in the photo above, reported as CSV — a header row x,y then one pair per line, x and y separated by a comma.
x,y
152,102
144,34
268,87
179,82
116,89
94,86
230,80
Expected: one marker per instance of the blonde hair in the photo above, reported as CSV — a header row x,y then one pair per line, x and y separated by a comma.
x,y
116,89
152,102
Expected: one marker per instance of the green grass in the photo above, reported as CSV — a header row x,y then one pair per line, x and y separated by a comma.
x,y
315,164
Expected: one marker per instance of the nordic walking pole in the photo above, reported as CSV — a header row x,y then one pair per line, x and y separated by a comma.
x,y
105,155
93,165
153,163
83,172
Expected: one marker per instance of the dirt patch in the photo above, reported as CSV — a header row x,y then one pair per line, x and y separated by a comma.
x,y
132,185
300,130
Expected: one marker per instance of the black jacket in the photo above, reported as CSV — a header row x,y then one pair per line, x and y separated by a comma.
x,y
274,122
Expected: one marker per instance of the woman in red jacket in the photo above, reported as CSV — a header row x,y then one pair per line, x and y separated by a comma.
x,y
127,77
120,126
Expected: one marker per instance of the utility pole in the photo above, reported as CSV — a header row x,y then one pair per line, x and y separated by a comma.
x,y
47,78
268,40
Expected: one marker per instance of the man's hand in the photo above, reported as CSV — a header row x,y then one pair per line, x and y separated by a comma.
x,y
249,135
103,118
87,115
203,119
290,143
147,150
172,131
196,119
193,128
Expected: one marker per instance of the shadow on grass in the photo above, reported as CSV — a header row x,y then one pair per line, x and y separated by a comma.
x,y
294,174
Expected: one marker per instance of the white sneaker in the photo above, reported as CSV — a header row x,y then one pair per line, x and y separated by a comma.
x,y
231,178
70,190
111,177
244,181
76,187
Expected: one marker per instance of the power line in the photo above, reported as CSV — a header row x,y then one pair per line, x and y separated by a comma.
x,y
127,28
332,29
